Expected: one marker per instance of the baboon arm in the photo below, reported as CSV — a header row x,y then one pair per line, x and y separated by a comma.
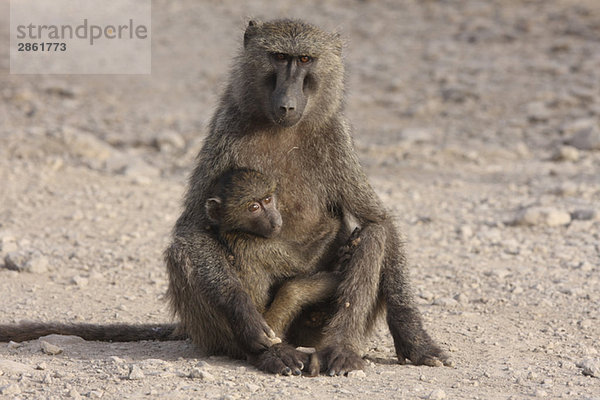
x,y
357,294
298,293
354,193
200,271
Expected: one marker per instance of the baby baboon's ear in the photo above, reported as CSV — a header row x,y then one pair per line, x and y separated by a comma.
x,y
213,209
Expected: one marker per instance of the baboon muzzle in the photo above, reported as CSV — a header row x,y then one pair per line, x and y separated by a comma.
x,y
288,99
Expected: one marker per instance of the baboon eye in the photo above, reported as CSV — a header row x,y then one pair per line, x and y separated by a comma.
x,y
254,207
280,56
305,59
267,199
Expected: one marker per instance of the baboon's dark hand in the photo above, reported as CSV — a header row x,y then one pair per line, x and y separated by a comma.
x,y
281,359
256,336
339,360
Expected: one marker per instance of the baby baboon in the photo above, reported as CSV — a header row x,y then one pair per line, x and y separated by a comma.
x,y
244,201
282,114
243,209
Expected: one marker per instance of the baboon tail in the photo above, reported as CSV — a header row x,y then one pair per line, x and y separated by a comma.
x,y
98,332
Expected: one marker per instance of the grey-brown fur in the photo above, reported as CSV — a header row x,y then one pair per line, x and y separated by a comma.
x,y
321,180
228,215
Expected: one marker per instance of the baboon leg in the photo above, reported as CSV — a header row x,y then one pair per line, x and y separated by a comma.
x,y
216,312
209,298
404,320
357,301
296,293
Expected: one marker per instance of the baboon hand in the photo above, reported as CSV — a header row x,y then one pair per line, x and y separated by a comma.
x,y
281,359
339,360
256,336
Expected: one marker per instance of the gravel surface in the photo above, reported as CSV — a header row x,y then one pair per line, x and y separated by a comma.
x,y
477,122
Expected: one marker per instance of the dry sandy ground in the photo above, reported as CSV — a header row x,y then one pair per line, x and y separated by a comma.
x,y
469,116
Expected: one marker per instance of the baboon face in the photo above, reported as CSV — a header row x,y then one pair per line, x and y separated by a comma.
x,y
290,71
289,97
261,217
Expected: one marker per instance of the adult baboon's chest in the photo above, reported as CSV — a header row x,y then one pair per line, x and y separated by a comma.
x,y
300,170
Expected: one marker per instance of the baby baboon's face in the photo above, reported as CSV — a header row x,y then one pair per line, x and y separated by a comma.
x,y
262,217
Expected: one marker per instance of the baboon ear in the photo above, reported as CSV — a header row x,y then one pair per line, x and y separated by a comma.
x,y
251,30
338,43
213,209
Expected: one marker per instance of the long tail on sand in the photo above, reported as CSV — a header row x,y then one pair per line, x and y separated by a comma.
x,y
98,332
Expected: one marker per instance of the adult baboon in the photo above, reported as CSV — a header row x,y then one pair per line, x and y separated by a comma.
x,y
282,114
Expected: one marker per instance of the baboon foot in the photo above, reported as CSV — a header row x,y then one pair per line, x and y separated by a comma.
x,y
339,360
281,359
425,353
412,341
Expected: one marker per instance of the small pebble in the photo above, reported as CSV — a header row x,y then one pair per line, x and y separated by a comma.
x,y
85,145
49,348
464,231
135,372
538,111
95,394
169,140
359,373
585,323
584,214
462,298
198,373
38,264
542,216
445,302
14,345
141,172
437,394
16,260
252,387
590,367
13,367
586,138
565,153
47,379
25,260
9,390
79,281
7,244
